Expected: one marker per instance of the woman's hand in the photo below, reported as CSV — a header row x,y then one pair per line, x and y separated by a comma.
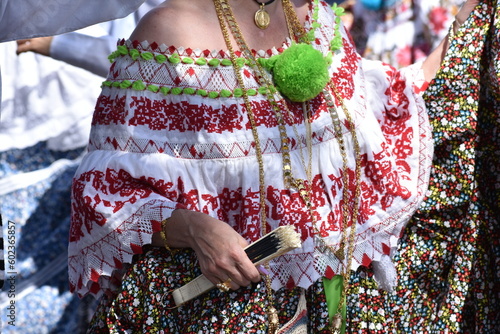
x,y
39,45
219,248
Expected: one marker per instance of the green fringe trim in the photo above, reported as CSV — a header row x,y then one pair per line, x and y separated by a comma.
x,y
139,85
135,54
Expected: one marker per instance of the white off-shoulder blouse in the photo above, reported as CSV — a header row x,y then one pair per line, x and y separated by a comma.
x,y
171,130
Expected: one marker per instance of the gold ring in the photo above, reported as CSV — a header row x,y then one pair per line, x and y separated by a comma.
x,y
224,286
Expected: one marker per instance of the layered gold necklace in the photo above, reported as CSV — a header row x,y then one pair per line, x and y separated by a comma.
x,y
303,187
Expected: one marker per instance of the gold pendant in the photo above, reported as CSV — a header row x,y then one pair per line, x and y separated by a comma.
x,y
273,320
262,18
337,323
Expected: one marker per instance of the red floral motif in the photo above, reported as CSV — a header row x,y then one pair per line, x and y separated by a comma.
x,y
230,199
331,224
109,111
403,149
111,183
83,213
161,115
385,179
121,183
161,187
343,77
296,114
397,98
289,209
318,193
370,197
248,221
189,199
318,107
242,210
396,128
338,208
263,114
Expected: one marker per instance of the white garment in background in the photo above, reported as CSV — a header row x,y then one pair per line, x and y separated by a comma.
x,y
44,99
33,18
50,100
91,48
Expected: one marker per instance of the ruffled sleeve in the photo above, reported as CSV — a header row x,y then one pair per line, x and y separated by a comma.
x,y
115,211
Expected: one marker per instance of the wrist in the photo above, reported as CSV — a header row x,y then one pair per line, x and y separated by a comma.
x,y
163,234
167,237
180,228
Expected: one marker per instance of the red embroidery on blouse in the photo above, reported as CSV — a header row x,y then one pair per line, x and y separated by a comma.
x,y
343,77
110,111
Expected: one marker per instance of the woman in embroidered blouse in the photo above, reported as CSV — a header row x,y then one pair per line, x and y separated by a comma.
x,y
190,141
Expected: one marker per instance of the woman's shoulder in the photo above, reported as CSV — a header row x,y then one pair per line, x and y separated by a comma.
x,y
180,23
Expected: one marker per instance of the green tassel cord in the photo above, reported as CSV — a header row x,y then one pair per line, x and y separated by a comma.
x,y
333,292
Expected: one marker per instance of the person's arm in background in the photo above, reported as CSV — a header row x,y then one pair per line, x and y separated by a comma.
x,y
433,62
92,51
87,49
27,19
79,49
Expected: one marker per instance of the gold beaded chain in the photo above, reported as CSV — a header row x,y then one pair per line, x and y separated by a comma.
x,y
297,32
340,253
222,7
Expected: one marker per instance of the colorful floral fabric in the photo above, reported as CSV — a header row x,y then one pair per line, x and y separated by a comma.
x,y
145,303
449,255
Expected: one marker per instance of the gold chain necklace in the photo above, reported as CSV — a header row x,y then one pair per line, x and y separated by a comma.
x,y
222,8
297,32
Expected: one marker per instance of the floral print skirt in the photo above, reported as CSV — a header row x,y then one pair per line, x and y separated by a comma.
x,y
145,305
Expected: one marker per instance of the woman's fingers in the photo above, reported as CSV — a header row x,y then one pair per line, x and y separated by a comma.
x,y
220,251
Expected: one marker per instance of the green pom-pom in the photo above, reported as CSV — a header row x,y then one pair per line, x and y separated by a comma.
x,y
201,92
201,61
147,56
125,84
269,62
134,53
153,88
301,72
